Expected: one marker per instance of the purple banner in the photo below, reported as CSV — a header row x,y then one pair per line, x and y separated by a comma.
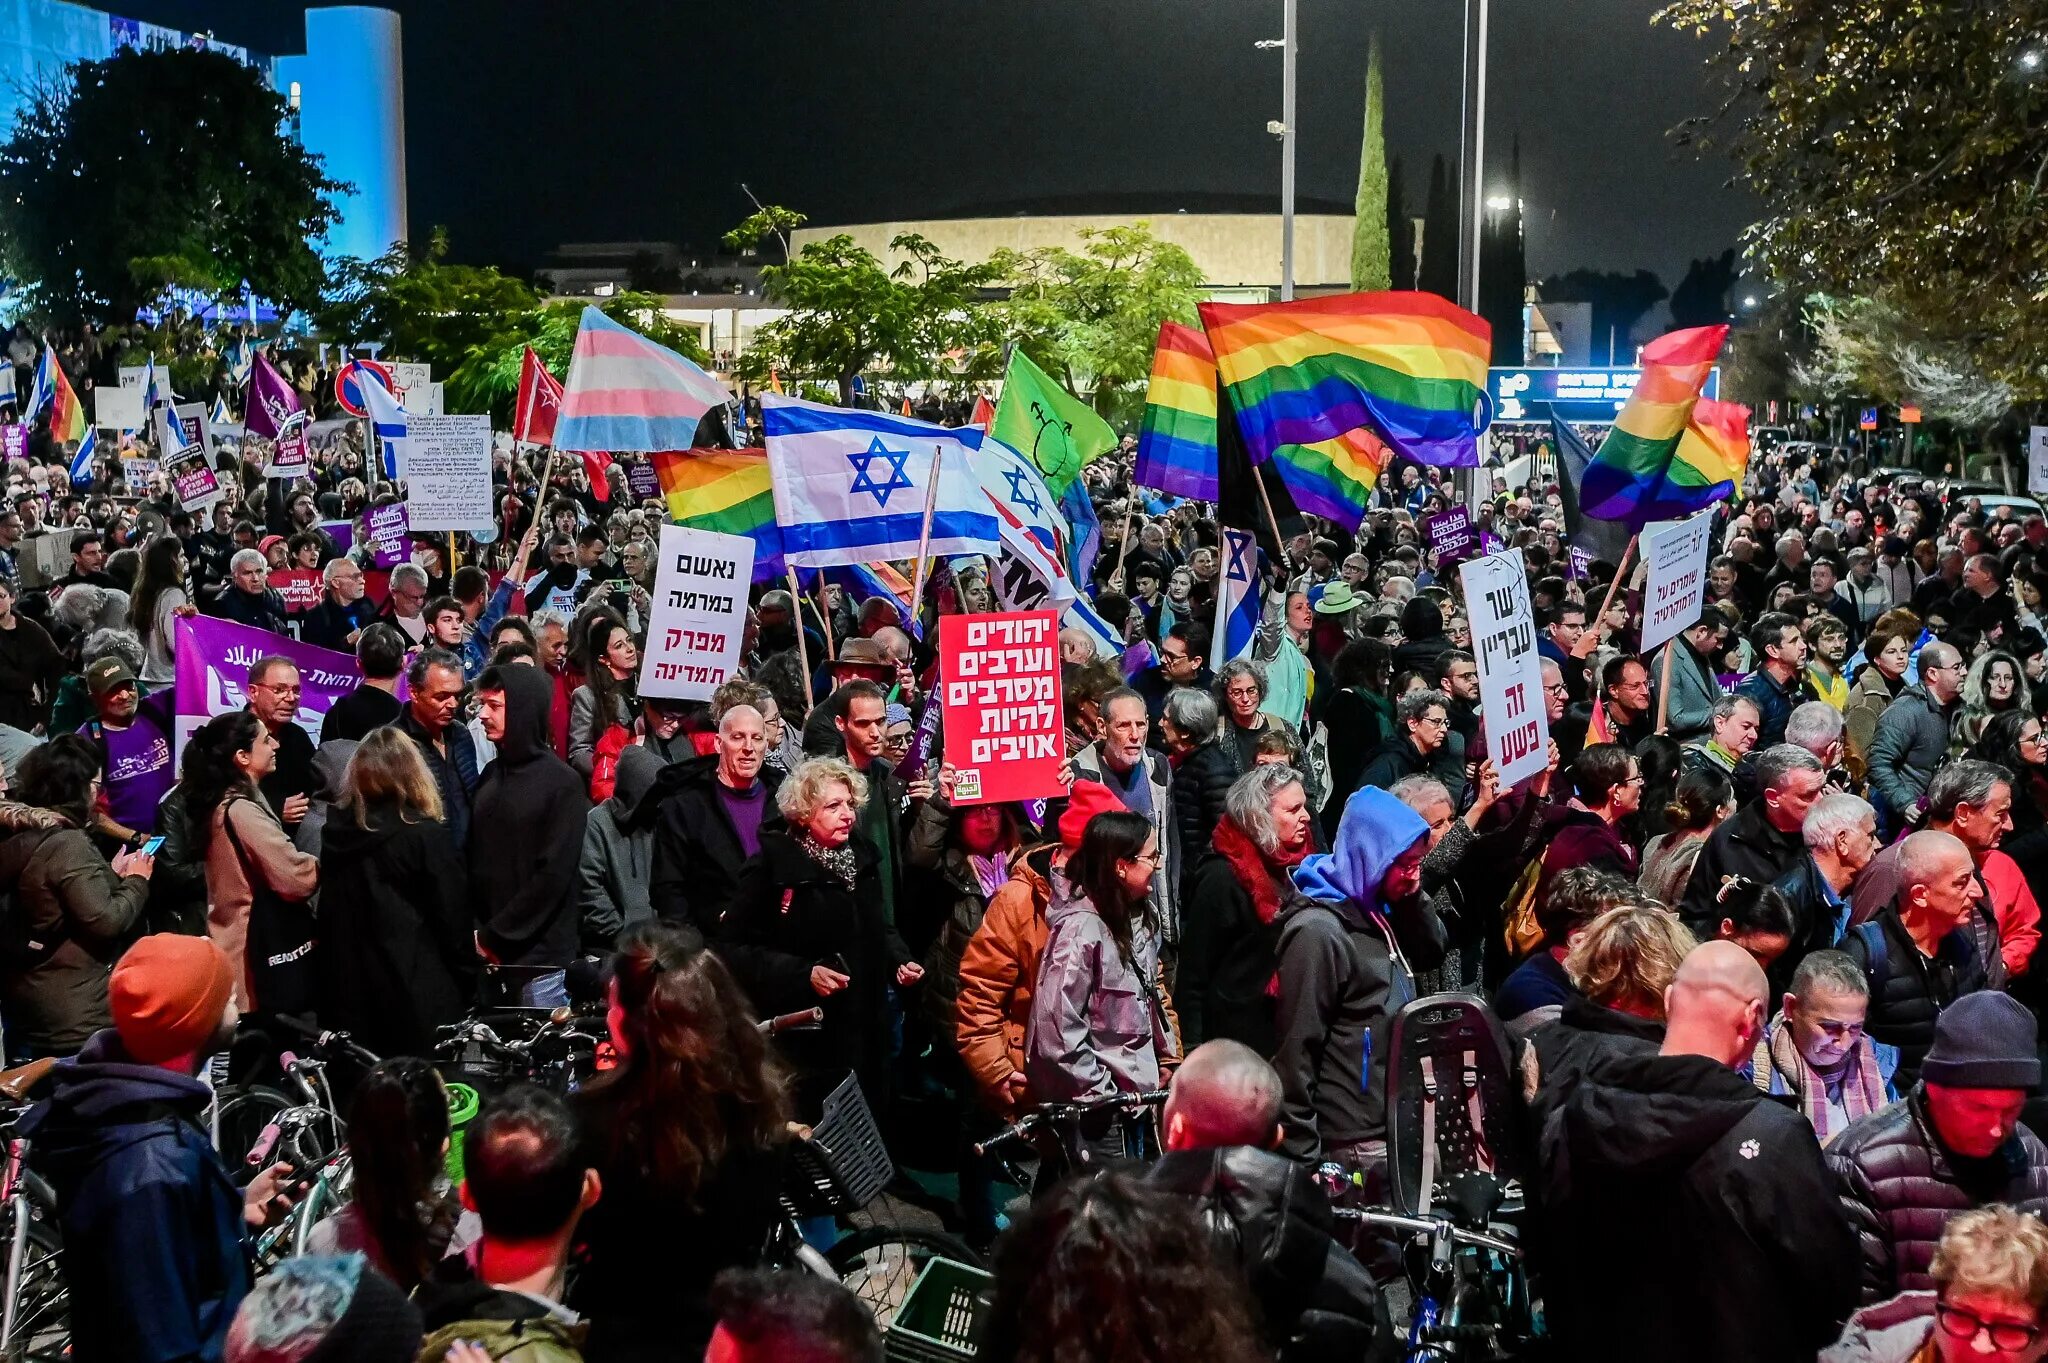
x,y
1450,534
272,401
14,441
1581,562
214,657
384,527
641,478
343,533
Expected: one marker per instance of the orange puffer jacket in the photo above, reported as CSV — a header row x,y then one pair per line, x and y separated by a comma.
x,y
996,976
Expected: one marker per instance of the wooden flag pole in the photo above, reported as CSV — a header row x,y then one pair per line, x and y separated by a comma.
x,y
1664,687
803,654
1272,521
1124,541
1620,572
825,616
924,534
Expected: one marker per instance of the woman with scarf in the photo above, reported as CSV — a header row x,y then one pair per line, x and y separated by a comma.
x,y
806,930
1352,936
1228,937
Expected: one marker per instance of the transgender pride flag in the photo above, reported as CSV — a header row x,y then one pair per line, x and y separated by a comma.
x,y
627,393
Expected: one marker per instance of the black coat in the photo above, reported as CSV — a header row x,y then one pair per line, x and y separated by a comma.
x,y
259,610
792,913
1899,1186
1908,991
524,868
697,853
1270,1226
1813,921
397,957
329,624
1200,782
1398,758
1692,1219
1560,1053
1745,845
1227,959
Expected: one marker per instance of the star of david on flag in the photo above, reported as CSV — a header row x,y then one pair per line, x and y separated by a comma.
x,y
1238,597
850,486
1014,482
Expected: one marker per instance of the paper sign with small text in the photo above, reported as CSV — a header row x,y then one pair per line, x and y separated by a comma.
x,y
1000,687
1675,587
1510,672
699,613
448,472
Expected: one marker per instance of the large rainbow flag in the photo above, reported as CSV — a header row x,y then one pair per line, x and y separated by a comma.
x,y
1334,478
1671,452
1409,367
727,491
67,413
1177,442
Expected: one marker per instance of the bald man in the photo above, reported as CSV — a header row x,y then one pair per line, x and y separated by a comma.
x,y
1918,952
1270,1222
1689,1216
1077,645
707,814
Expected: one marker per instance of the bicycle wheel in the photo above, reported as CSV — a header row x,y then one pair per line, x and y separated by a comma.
x,y
242,1115
880,1264
42,1306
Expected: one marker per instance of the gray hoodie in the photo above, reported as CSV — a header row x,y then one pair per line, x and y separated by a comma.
x,y
615,866
1889,1332
1095,1028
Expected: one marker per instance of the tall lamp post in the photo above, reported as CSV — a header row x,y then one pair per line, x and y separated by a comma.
x,y
1283,128
1472,165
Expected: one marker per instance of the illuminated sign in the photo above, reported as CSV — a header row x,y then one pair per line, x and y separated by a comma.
x,y
1575,394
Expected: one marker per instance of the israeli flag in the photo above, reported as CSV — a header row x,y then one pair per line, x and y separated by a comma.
x,y
1015,482
43,386
220,415
387,424
81,463
851,487
1239,592
151,395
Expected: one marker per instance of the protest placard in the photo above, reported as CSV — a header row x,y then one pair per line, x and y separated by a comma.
x,y
289,456
213,658
182,426
642,480
1510,672
999,682
385,528
138,471
2037,459
1675,552
343,533
448,472
426,400
300,588
13,441
1580,563
193,481
117,409
1451,535
699,613
408,377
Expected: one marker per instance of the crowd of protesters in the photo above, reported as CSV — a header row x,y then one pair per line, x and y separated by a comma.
x,y
1763,931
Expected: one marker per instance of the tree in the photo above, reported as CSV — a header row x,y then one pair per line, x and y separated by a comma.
x,y
1701,298
848,313
423,308
1372,262
1897,153
150,170
769,220
1619,302
1091,317
1439,246
1504,271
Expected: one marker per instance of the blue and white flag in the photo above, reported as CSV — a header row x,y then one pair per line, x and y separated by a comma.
x,y
1029,577
387,423
81,463
850,487
1015,482
152,394
219,416
42,387
1084,530
1238,593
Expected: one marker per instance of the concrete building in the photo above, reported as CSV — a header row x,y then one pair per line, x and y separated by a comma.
x,y
340,68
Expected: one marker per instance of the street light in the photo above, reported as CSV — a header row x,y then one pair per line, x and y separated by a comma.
x,y
1284,130
1749,302
1499,203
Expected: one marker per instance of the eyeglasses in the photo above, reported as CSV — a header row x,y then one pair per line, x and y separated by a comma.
x,y
1460,676
277,690
1839,1031
1173,657
1957,1323
1243,693
1558,689
1436,721
1152,859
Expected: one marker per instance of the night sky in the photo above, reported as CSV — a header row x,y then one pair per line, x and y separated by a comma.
x,y
531,124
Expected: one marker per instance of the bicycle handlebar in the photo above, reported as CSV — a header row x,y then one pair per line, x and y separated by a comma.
x,y
1421,1225
1068,1111
791,1022
325,1040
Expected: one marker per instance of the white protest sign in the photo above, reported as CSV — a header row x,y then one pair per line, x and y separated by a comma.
x,y
117,409
426,400
448,472
1510,672
407,376
138,472
1675,588
699,613
2037,459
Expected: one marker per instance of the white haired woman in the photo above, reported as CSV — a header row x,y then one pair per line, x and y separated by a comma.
x,y
1234,894
1990,1300
806,929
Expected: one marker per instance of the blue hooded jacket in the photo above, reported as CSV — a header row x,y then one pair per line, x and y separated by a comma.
x,y
1375,830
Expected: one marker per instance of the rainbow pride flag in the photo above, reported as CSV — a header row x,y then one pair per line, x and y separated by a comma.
x,y
1177,442
67,413
1409,367
1658,463
727,491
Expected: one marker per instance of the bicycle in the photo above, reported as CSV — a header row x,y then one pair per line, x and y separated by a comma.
x,y
308,1136
35,1312
1066,1123
1471,1297
555,1051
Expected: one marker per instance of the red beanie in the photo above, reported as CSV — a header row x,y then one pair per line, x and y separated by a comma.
x,y
168,994
1085,801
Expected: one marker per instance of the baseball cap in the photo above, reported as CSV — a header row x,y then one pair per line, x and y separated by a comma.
x,y
107,675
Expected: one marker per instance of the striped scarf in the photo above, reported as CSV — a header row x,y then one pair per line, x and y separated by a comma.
x,y
1862,1087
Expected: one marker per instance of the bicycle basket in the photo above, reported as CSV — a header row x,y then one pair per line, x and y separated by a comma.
x,y
941,1320
844,1164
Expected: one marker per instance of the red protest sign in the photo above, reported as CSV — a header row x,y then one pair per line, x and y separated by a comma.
x,y
1000,685
300,587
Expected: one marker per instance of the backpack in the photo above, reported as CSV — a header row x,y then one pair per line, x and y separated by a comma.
x,y
1877,966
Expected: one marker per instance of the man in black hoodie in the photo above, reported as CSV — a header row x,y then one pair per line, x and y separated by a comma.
x,y
529,812
1691,1216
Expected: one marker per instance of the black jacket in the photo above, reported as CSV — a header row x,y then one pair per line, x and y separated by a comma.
x,y
1899,1186
1560,1053
523,876
1270,1225
697,853
329,624
1745,845
1227,959
1733,1244
397,957
1813,920
1908,990
258,610
792,913
1396,758
1200,782
455,774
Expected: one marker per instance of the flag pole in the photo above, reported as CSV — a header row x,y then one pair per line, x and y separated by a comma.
x,y
1620,572
1664,687
924,534
1272,521
1124,541
803,654
825,616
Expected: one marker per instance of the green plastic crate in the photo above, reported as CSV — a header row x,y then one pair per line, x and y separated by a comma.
x,y
942,1318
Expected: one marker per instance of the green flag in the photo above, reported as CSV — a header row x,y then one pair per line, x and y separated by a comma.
x,y
1048,425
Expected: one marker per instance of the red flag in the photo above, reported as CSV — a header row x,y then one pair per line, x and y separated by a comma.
x,y
596,463
540,402
984,413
